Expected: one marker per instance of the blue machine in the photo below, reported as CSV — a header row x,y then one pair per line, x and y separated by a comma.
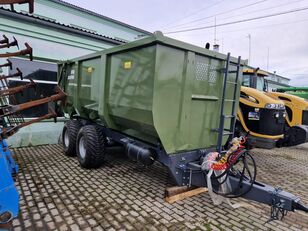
x,y
9,198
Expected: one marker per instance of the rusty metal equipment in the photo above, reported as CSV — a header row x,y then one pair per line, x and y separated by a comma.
x,y
12,2
8,64
27,51
5,40
17,74
18,89
11,109
11,124
10,44
9,131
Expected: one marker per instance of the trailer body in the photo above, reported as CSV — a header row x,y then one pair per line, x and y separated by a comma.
x,y
158,90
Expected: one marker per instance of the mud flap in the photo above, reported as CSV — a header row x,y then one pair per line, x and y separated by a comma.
x,y
294,136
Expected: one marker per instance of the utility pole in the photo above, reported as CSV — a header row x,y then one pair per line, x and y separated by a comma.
x,y
222,45
215,32
249,49
268,53
216,46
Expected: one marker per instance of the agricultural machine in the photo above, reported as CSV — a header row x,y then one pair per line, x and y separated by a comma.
x,y
11,120
272,118
297,91
168,101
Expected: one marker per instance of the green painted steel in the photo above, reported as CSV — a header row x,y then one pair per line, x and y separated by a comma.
x,y
298,91
157,89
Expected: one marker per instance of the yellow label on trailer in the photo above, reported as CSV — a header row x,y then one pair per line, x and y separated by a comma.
x,y
127,64
90,69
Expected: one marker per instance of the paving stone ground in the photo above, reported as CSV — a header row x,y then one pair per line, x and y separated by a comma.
x,y
56,194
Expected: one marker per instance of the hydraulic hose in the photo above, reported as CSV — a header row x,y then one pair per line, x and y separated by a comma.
x,y
235,158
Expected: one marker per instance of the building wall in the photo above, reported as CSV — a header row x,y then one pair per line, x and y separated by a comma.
x,y
276,81
48,44
51,45
54,10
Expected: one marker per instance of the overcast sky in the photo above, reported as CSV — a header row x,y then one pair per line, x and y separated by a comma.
x,y
284,37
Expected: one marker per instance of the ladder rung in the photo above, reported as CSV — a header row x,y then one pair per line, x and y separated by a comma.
x,y
229,116
232,71
223,70
227,130
235,83
229,100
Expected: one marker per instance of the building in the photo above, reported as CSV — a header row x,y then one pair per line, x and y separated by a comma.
x,y
56,31
275,81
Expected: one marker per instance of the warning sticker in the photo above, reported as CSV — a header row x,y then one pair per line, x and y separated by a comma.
x,y
72,75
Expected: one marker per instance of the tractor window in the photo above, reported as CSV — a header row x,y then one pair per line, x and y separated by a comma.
x,y
246,81
260,84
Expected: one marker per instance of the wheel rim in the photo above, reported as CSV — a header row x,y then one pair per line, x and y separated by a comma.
x,y
66,139
82,148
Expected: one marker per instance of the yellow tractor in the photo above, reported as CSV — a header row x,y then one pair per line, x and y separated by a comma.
x,y
271,118
297,118
296,107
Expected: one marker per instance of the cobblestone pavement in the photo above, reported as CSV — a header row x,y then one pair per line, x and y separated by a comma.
x,y
56,194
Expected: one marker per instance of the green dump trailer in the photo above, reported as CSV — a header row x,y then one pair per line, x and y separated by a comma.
x,y
298,91
162,100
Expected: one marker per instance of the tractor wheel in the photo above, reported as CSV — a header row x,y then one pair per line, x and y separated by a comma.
x,y
90,147
69,136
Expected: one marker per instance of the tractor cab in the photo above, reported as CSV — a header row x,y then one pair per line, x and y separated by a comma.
x,y
255,78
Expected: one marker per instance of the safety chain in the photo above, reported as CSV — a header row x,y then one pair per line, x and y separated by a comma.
x,y
277,209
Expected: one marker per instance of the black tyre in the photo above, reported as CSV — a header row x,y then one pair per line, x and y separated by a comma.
x,y
107,141
69,136
90,147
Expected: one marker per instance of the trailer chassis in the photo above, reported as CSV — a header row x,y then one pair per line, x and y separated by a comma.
x,y
185,169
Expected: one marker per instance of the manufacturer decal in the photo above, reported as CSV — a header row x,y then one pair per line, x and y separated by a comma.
x,y
253,115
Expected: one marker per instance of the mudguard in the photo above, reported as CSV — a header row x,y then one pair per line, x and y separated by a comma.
x,y
294,136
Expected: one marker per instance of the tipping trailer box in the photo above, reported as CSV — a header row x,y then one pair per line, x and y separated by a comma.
x,y
157,89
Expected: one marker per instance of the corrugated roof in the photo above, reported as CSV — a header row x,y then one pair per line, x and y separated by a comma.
x,y
55,24
100,16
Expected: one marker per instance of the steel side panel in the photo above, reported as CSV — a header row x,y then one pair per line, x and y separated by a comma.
x,y
130,92
169,88
187,99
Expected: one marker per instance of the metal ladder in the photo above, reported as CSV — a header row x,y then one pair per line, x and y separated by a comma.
x,y
221,130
